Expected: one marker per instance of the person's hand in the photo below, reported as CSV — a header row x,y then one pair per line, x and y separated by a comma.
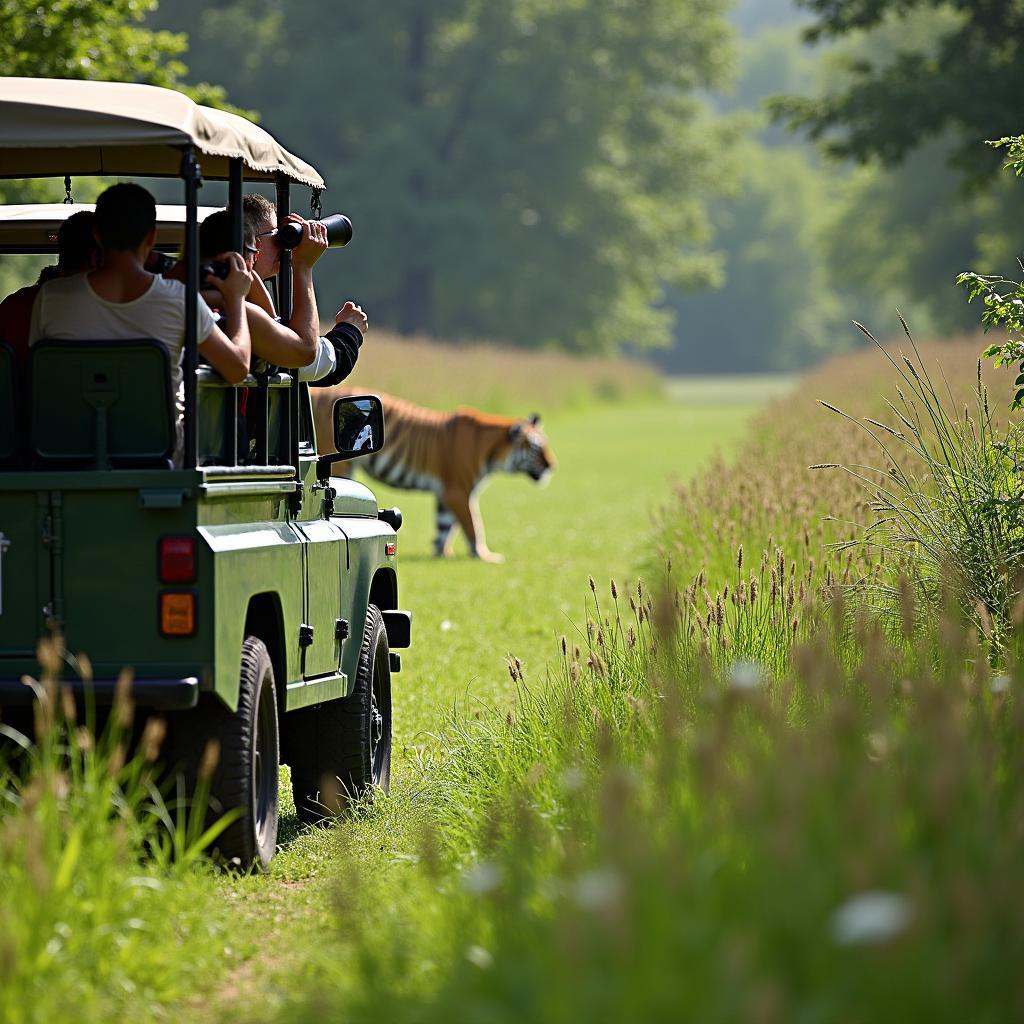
x,y
313,244
350,313
238,282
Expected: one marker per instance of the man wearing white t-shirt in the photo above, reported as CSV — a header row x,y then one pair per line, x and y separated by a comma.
x,y
122,300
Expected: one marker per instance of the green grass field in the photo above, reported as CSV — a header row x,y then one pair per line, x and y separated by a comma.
x,y
748,795
115,931
616,464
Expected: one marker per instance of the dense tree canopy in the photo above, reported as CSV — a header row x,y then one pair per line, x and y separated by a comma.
x,y
947,68
89,39
526,170
95,39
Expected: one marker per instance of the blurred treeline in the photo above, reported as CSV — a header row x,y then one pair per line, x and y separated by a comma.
x,y
543,173
605,174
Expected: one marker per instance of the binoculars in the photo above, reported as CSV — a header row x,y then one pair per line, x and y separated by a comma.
x,y
339,232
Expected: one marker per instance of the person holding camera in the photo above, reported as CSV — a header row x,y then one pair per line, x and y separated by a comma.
x,y
336,353
292,345
121,299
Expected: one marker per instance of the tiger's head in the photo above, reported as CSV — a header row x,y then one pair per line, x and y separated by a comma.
x,y
528,451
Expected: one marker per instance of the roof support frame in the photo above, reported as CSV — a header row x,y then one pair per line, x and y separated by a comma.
x,y
190,356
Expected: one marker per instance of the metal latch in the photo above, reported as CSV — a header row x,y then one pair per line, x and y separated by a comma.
x,y
305,635
341,629
4,545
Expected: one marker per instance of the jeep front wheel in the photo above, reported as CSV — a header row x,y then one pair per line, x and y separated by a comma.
x,y
343,747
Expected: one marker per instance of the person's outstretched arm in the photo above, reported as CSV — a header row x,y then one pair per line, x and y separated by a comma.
x,y
229,349
305,321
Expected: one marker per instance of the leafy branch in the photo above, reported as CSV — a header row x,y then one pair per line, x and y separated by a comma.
x,y
1002,298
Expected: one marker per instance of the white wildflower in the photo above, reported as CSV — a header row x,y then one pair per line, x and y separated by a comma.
x,y
870,917
745,675
594,890
479,956
481,878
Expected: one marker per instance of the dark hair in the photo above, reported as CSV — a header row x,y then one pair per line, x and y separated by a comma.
x,y
76,242
215,235
76,247
257,209
125,214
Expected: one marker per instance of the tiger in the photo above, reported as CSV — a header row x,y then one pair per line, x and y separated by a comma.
x,y
450,454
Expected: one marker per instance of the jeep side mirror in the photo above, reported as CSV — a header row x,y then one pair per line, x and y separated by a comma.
x,y
358,430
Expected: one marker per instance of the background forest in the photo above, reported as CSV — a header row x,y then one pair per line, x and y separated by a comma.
x,y
725,187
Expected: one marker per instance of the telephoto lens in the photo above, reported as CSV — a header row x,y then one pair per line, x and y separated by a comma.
x,y
339,232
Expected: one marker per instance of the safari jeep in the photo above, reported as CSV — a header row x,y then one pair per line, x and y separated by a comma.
x,y
254,598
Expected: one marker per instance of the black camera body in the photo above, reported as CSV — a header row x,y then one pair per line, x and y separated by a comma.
x,y
339,232
215,268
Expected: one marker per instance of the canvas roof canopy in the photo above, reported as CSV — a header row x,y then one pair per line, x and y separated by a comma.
x,y
52,127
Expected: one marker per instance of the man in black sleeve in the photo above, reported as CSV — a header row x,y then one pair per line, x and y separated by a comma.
x,y
338,350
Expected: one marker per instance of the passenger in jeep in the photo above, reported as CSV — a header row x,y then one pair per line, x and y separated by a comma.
x,y
338,350
76,251
277,343
123,300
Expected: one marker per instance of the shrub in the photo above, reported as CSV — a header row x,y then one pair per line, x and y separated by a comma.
x,y
947,501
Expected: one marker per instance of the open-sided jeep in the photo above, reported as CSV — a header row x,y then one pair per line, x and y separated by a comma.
x,y
253,596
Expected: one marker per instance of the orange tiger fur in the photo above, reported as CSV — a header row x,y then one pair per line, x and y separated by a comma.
x,y
447,453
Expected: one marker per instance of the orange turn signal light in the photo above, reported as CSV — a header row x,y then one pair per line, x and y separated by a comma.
x,y
177,613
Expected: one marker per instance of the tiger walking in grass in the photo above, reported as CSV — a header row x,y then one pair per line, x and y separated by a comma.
x,y
450,454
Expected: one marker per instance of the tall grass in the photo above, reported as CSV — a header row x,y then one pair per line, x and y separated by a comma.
x,y
946,498
650,838
511,382
753,800
98,871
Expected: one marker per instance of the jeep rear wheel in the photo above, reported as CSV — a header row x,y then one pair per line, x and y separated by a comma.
x,y
245,778
343,747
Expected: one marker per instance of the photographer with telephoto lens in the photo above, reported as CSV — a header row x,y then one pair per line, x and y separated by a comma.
x,y
338,350
276,343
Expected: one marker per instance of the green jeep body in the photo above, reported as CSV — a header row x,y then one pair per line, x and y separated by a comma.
x,y
81,554
290,598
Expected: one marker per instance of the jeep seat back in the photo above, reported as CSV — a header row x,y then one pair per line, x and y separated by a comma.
x,y
101,405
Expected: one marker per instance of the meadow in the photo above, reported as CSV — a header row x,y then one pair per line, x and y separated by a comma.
x,y
680,755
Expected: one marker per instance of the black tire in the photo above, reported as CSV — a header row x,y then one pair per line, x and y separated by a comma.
x,y
245,779
343,747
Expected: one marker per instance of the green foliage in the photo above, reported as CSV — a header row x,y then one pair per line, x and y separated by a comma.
x,y
901,235
680,817
947,503
647,832
1003,299
97,869
96,39
949,68
779,307
531,172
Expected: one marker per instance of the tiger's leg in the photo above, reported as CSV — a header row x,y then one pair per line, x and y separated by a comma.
x,y
445,530
467,512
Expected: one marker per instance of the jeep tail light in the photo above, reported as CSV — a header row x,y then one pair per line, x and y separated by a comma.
x,y
177,614
177,559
